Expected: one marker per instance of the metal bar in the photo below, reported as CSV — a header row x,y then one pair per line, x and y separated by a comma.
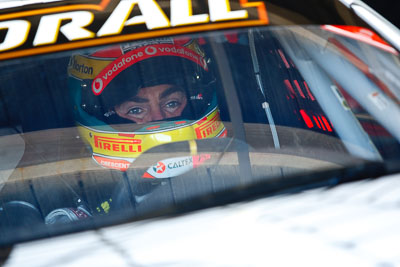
x,y
265,104
234,109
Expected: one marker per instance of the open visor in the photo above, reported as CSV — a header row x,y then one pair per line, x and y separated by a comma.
x,y
122,79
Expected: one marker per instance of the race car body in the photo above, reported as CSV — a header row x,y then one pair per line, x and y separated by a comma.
x,y
120,111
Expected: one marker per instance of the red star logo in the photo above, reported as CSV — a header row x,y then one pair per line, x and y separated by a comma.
x,y
159,168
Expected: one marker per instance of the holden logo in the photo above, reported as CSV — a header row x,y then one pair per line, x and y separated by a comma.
x,y
159,168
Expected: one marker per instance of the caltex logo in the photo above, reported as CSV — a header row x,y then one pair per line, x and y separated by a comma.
x,y
159,168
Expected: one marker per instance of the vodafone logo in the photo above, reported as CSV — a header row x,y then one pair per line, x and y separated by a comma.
x,y
120,64
97,86
159,168
150,50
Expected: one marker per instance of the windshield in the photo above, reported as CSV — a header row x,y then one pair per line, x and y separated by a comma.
x,y
95,136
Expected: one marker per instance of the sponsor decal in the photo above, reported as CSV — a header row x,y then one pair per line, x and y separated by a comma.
x,y
159,168
118,144
81,68
86,68
118,150
117,164
137,55
132,46
59,27
175,166
207,127
180,163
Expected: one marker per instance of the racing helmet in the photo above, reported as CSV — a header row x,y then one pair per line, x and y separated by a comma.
x,y
110,86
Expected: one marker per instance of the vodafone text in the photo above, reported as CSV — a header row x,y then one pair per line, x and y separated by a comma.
x,y
111,71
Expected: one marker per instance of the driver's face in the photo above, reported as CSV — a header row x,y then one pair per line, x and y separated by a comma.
x,y
153,104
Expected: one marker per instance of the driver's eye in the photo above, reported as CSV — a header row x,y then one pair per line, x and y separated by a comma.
x,y
135,111
172,104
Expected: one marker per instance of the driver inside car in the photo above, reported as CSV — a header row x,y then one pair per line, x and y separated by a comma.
x,y
130,98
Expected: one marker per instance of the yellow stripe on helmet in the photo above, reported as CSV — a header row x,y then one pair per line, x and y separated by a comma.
x,y
123,145
82,67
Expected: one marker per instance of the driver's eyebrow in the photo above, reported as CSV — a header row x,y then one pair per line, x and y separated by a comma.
x,y
171,90
138,99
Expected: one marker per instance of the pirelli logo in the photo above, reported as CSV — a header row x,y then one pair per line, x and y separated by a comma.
x,y
118,144
208,128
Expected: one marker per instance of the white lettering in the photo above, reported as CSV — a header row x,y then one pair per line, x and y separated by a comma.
x,y
181,13
152,16
49,27
115,68
17,32
221,10
115,164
